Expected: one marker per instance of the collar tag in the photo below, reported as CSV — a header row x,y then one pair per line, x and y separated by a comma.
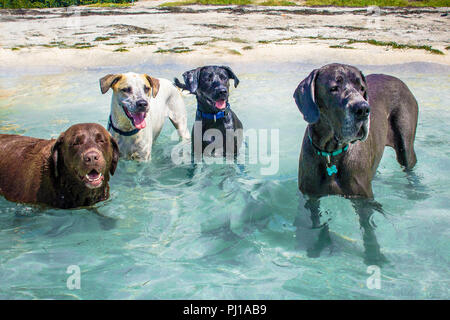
x,y
331,169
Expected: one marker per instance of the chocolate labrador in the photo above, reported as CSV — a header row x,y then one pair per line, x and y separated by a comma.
x,y
217,130
351,118
71,171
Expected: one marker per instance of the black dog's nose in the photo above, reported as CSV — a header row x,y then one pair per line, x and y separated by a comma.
x,y
223,92
361,110
141,105
91,157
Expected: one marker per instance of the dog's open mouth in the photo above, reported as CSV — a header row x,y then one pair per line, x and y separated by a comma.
x,y
221,104
137,118
362,133
93,179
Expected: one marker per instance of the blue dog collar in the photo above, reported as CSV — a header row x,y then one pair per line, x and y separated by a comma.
x,y
122,133
331,169
212,116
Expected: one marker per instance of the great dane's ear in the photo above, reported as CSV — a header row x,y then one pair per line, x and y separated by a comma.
x,y
365,85
191,80
56,154
305,100
231,75
116,155
154,83
108,81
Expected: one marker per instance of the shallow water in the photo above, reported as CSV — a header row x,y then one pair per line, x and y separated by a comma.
x,y
228,232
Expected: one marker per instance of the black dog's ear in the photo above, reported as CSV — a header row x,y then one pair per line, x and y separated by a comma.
x,y
178,84
191,78
231,75
56,154
116,155
365,85
305,100
107,81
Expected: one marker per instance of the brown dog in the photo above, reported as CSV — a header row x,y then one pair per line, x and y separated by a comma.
x,y
69,172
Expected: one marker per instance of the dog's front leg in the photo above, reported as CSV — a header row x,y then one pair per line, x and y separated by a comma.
x,y
365,208
309,230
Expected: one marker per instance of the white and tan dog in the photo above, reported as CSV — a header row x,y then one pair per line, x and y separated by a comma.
x,y
139,107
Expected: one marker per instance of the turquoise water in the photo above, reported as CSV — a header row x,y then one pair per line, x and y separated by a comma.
x,y
227,232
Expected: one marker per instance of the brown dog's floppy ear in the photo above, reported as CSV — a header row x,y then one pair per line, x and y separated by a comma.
x,y
154,83
191,78
108,81
231,75
305,100
116,155
56,154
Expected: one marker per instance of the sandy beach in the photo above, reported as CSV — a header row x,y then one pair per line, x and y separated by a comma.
x,y
84,36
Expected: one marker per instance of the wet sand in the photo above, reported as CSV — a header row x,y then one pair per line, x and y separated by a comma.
x,y
86,37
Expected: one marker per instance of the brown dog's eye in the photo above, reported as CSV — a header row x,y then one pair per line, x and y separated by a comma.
x,y
77,141
334,89
146,89
99,138
126,90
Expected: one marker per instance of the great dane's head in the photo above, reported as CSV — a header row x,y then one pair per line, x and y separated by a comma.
x,y
336,94
132,94
211,86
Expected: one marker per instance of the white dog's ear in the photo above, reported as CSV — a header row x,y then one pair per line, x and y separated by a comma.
x,y
108,81
154,83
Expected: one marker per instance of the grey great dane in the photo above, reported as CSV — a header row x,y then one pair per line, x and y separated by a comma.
x,y
351,118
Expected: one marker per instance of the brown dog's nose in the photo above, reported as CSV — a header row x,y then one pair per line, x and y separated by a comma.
x,y
91,157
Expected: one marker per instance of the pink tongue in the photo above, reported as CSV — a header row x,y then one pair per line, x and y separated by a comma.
x,y
220,104
139,120
93,175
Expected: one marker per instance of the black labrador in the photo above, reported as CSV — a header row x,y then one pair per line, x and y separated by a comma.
x,y
217,130
351,118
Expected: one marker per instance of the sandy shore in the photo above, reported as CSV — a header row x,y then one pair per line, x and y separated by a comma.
x,y
84,37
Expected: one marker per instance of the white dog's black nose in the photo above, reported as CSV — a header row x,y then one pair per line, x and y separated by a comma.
x,y
141,105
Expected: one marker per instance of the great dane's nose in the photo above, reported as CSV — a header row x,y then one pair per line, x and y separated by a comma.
x,y
91,157
361,110
141,105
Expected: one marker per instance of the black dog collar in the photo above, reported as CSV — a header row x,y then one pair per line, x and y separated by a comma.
x,y
122,133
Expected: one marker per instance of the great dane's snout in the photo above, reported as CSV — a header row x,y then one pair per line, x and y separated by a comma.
x,y
141,105
361,110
